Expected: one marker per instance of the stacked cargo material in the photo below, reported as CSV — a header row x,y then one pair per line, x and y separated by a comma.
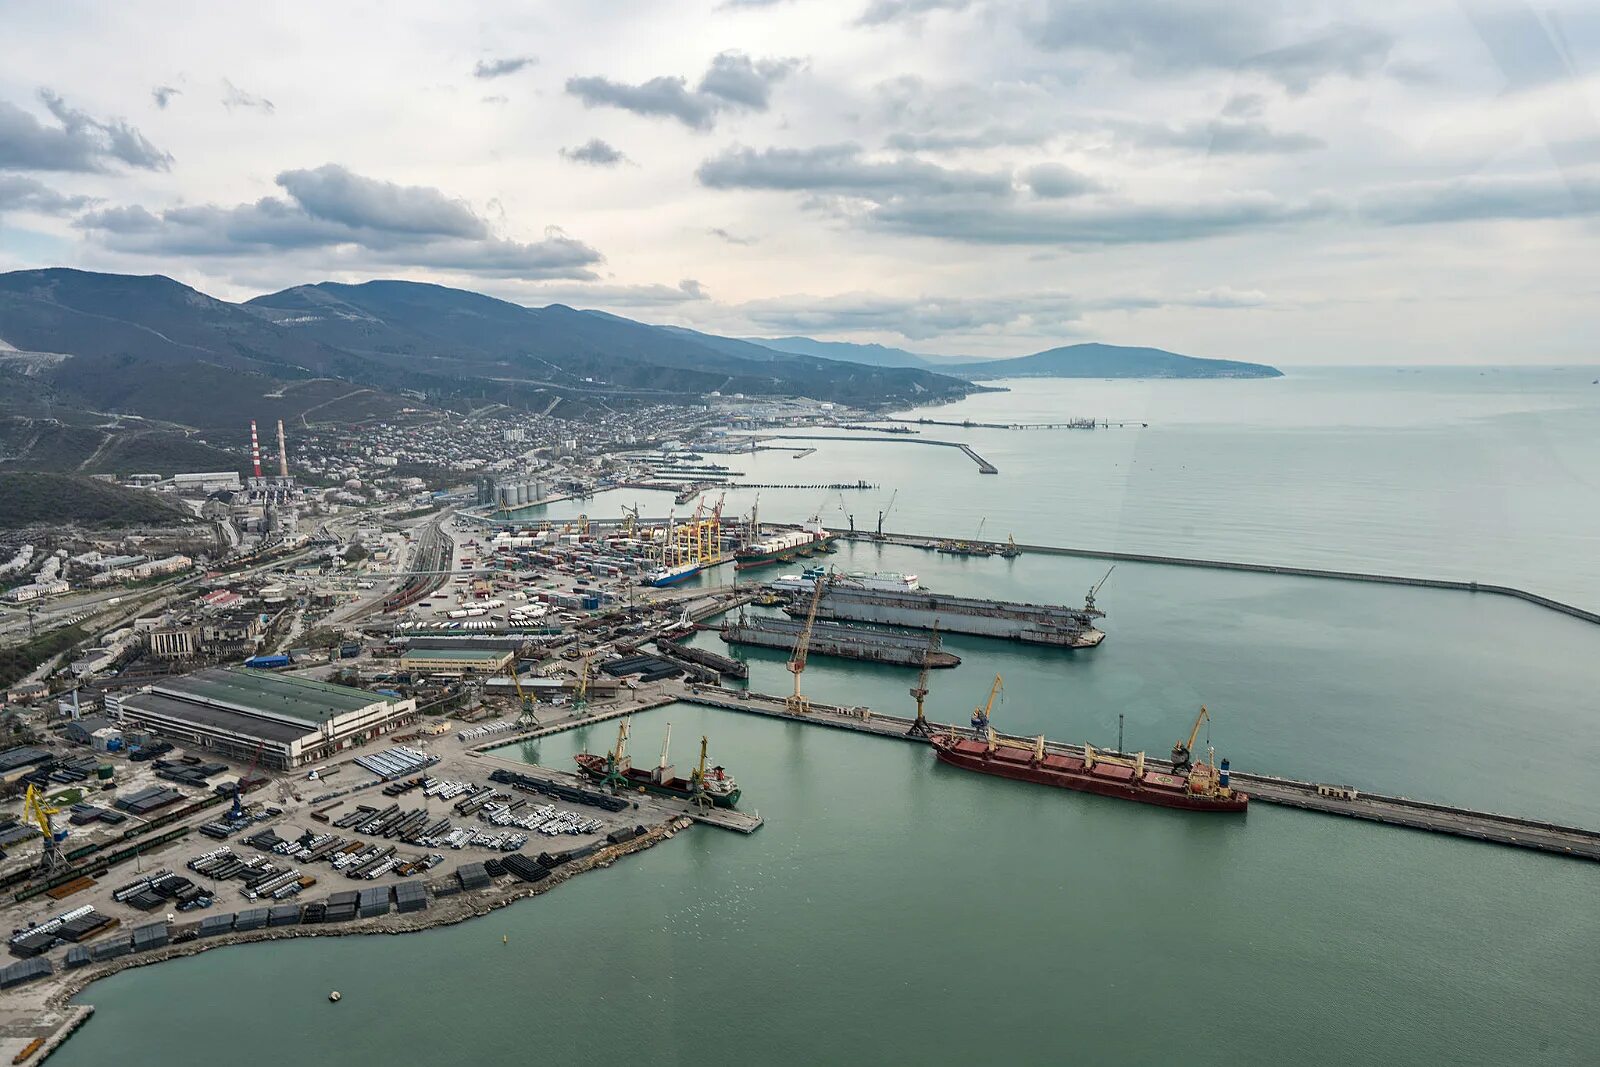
x,y
373,902
617,837
34,943
85,926
216,925
473,876
526,869
410,896
78,956
26,971
250,919
147,800
115,948
283,915
182,932
342,906
150,936
314,913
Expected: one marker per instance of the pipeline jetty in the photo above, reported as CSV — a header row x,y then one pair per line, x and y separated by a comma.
x,y
1490,827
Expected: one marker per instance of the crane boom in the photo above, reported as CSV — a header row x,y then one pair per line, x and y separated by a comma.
x,y
1182,752
802,646
919,692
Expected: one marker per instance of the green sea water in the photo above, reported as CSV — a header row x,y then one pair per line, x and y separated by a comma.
x,y
896,911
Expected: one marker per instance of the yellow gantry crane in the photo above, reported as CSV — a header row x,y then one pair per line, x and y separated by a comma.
x,y
797,704
38,811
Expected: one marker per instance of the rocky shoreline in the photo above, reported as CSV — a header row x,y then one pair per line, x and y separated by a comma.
x,y
448,911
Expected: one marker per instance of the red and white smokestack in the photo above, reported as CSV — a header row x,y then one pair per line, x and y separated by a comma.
x,y
255,448
283,453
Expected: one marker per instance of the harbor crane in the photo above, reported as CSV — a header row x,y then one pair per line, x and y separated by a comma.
x,y
525,717
892,496
237,810
580,693
617,761
39,811
797,704
1088,601
1182,752
697,778
919,692
630,519
981,730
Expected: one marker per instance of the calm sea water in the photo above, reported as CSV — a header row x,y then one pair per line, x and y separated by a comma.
x,y
894,911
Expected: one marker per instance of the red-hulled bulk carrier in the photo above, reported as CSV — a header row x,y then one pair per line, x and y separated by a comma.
x,y
1202,786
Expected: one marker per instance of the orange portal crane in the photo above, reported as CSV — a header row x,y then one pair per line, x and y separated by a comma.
x,y
798,704
919,692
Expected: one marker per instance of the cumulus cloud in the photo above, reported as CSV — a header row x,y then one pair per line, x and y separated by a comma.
x,y
879,12
1054,181
842,169
499,68
922,318
234,97
163,94
596,153
976,221
1474,199
18,193
1172,37
334,194
732,82
631,296
79,143
364,219
1220,137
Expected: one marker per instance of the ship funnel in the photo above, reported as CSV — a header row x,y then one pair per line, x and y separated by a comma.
x,y
1222,775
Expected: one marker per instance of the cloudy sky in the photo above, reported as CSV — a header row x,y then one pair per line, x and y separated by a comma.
x,y
1307,182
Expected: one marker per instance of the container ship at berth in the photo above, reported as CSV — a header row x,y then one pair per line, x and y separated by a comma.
x,y
1190,786
783,546
713,785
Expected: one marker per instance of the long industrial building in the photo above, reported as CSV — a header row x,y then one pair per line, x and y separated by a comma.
x,y
238,712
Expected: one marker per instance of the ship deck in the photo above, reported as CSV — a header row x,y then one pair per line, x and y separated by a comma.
x,y
1485,826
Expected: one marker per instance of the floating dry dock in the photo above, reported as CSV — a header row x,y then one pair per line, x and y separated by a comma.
x,y
847,642
1037,624
1492,827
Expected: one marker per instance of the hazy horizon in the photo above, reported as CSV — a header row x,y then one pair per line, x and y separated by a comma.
x,y
1288,184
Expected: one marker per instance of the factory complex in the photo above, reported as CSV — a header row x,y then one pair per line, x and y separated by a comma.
x,y
288,720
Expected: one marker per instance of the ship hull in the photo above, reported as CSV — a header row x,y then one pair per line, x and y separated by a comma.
x,y
594,768
675,578
745,559
1020,767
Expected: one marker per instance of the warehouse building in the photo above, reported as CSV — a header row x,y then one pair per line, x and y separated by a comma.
x,y
456,662
237,712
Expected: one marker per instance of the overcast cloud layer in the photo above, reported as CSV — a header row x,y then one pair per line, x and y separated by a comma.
x,y
1299,183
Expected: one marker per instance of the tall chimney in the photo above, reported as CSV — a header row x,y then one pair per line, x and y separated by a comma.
x,y
255,448
283,453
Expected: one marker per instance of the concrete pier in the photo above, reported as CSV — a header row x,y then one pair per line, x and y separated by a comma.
x,y
931,543
1486,826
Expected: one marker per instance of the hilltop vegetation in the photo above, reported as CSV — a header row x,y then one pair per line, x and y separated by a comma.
x,y
32,498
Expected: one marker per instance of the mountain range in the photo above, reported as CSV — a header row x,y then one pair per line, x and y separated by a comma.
x,y
1088,360
77,345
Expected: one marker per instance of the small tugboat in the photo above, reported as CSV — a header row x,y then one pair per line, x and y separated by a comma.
x,y
713,787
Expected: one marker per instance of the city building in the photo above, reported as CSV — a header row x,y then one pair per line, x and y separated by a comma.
x,y
239,712
456,661
175,642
